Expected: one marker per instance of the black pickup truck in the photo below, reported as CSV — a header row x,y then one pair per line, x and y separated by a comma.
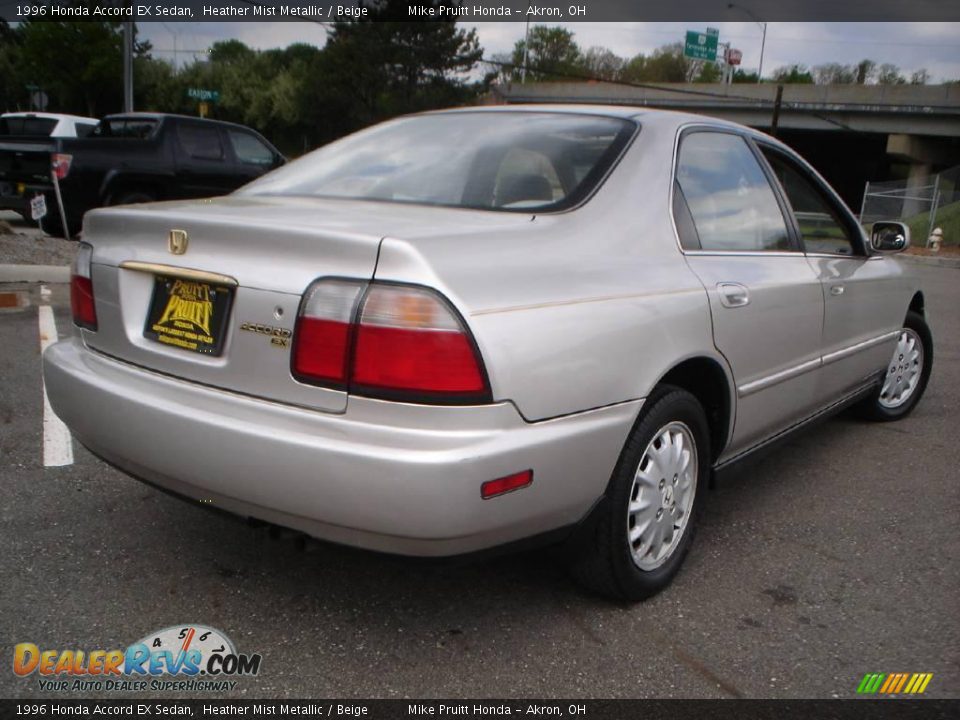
x,y
133,158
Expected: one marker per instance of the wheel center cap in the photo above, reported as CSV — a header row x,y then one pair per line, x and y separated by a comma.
x,y
668,495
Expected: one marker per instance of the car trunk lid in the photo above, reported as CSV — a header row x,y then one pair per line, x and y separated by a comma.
x,y
209,291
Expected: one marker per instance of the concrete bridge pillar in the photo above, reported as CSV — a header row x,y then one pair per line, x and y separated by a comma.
x,y
922,153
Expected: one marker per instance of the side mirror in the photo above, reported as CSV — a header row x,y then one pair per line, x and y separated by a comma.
x,y
889,237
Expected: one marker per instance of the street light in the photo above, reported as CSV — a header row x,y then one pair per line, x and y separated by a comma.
x,y
763,42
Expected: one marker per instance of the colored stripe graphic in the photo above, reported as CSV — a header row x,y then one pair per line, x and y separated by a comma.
x,y
894,683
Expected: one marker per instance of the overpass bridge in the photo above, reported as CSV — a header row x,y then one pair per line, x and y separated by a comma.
x,y
851,133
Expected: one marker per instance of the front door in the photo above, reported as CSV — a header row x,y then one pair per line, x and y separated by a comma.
x,y
863,302
765,298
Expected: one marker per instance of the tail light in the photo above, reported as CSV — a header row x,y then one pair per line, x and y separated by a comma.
x,y
397,342
81,289
60,164
324,332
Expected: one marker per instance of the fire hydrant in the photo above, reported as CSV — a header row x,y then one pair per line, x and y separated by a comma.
x,y
936,237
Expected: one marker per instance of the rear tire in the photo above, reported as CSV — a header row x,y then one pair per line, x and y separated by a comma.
x,y
637,539
906,374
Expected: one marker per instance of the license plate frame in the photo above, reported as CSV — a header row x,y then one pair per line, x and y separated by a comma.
x,y
189,315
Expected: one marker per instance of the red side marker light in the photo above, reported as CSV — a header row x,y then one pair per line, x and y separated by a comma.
x,y
492,488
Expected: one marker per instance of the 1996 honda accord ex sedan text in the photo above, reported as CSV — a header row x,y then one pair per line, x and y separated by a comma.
x,y
461,329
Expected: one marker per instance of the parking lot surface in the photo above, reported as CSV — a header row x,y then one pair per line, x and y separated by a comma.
x,y
833,557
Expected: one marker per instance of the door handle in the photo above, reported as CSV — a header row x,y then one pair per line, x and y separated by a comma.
x,y
733,295
836,290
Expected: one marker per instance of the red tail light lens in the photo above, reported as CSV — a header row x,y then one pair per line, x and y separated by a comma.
x,y
81,289
411,341
395,342
60,164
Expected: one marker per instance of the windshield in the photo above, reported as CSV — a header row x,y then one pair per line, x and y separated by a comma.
x,y
27,125
517,161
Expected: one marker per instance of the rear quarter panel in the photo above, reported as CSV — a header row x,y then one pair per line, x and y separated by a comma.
x,y
574,310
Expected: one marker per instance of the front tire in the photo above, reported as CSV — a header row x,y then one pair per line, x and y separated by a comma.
x,y
906,374
641,533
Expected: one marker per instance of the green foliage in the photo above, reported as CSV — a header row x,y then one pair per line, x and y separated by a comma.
x,y
947,219
793,74
299,96
551,54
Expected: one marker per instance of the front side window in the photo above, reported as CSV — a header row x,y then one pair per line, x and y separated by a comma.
x,y
821,225
250,150
510,161
729,198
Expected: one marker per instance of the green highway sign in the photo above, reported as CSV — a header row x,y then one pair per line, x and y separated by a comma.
x,y
701,46
209,95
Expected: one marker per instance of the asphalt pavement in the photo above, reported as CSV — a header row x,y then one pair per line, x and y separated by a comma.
x,y
834,557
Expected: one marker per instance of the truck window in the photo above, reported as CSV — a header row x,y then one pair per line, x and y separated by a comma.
x,y
26,125
199,142
249,149
85,129
137,128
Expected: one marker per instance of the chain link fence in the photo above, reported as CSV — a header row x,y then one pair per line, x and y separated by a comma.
x,y
923,203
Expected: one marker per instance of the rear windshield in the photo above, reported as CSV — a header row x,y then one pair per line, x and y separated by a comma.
x,y
511,161
34,126
140,128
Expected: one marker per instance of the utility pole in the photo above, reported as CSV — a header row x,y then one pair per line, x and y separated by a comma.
x,y
526,48
775,122
763,42
128,67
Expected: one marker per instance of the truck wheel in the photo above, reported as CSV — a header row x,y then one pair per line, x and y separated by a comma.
x,y
906,374
640,534
52,226
131,197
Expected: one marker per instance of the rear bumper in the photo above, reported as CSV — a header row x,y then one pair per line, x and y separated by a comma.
x,y
386,476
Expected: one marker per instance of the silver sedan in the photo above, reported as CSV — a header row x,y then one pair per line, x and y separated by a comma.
x,y
462,330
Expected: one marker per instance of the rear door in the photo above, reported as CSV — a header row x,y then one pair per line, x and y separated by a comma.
x,y
765,298
864,306
204,166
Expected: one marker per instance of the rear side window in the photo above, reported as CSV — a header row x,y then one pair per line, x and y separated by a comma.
x,y
27,126
200,142
249,149
135,128
85,129
730,201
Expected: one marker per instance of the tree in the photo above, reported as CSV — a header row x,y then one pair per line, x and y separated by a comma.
x,y
746,77
380,65
551,54
793,74
13,93
865,70
668,64
90,80
920,77
599,62
889,74
834,74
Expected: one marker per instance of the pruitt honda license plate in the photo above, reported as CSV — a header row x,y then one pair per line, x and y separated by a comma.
x,y
189,314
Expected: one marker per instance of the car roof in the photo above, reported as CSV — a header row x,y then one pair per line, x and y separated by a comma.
x,y
160,116
644,115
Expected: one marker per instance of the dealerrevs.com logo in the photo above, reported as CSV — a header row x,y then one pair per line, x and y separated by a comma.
x,y
181,658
